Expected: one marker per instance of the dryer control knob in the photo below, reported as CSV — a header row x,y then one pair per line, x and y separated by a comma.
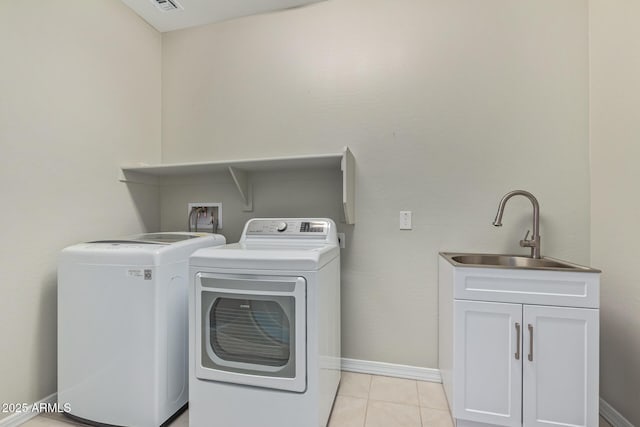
x,y
282,226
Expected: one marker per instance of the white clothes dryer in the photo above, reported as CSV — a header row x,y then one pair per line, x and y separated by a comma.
x,y
264,327
122,327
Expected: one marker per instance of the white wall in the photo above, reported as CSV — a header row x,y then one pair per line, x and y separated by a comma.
x,y
615,202
80,94
446,106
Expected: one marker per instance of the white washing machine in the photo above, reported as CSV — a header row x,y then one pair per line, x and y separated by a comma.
x,y
122,327
264,327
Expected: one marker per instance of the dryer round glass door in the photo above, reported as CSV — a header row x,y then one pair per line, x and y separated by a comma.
x,y
249,334
251,330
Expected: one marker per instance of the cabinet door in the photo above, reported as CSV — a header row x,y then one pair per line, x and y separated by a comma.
x,y
487,362
560,371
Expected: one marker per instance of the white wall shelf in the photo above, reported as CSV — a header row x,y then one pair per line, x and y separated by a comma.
x,y
241,171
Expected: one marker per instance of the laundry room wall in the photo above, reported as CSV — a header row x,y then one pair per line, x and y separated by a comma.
x,y
446,105
615,207
80,94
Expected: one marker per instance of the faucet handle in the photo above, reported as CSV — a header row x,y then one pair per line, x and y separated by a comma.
x,y
525,243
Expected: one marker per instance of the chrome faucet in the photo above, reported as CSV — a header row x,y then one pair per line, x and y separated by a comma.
x,y
534,242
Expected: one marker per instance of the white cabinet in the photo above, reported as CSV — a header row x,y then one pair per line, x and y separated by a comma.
x,y
560,370
488,377
514,355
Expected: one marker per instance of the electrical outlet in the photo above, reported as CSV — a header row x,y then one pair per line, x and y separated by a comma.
x,y
405,220
342,240
206,214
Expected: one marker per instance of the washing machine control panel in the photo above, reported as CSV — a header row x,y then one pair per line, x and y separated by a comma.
x,y
288,227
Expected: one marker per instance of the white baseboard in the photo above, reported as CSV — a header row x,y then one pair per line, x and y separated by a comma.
x,y
612,416
19,418
391,370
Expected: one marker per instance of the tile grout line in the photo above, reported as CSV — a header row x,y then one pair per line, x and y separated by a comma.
x,y
366,408
419,405
366,413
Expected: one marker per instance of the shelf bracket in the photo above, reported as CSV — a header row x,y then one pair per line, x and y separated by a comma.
x,y
348,167
243,184
131,177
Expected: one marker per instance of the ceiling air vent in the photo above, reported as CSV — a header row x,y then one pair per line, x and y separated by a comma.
x,y
167,5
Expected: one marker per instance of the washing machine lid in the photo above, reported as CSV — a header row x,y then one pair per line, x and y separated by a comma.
x,y
302,257
162,238
141,249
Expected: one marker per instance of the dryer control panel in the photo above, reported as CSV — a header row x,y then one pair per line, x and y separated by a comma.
x,y
288,227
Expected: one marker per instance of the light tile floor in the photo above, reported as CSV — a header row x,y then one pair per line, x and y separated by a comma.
x,y
363,401
371,401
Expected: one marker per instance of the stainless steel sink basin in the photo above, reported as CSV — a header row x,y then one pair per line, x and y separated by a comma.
x,y
513,261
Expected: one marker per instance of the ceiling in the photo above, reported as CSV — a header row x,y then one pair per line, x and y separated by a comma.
x,y
191,13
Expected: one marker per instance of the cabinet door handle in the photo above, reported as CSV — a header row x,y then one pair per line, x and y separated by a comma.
x,y
517,341
530,343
